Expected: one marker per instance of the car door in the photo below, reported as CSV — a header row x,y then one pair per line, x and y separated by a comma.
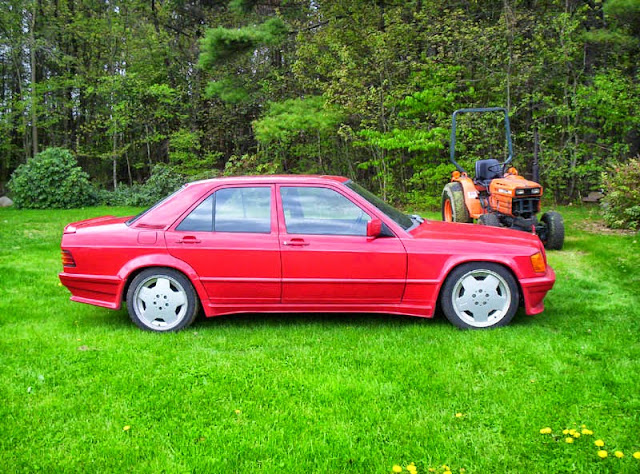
x,y
326,254
230,239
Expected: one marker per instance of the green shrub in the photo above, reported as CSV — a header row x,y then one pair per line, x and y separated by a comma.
x,y
51,180
162,182
622,201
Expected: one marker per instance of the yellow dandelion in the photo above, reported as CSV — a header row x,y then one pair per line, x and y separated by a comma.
x,y
445,467
636,455
599,443
569,440
411,468
545,431
583,426
396,468
459,415
572,432
565,432
237,412
587,432
126,428
602,453
618,454
576,435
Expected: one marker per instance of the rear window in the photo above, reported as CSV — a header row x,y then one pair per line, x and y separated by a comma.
x,y
232,210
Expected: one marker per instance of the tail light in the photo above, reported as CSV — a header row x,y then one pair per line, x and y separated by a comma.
x,y
67,259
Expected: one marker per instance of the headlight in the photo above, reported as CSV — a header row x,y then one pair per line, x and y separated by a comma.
x,y
535,191
519,192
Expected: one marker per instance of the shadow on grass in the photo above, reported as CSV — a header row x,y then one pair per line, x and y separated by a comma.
x,y
119,320
101,317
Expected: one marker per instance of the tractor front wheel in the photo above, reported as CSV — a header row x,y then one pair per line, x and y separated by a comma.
x,y
453,207
554,230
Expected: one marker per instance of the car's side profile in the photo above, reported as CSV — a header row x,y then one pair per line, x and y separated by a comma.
x,y
298,244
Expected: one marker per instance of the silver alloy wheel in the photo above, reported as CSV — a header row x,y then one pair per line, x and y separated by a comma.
x,y
481,298
160,302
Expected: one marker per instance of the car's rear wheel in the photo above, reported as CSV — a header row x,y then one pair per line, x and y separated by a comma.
x,y
162,299
480,295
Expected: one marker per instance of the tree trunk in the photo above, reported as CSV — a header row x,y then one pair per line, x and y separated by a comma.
x,y
535,166
32,66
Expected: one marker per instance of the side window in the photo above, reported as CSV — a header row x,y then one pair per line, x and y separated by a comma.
x,y
232,210
243,210
200,219
321,211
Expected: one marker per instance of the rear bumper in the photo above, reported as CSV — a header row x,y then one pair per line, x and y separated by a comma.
x,y
535,289
98,290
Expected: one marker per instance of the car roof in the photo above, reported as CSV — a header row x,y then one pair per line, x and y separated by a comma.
x,y
274,178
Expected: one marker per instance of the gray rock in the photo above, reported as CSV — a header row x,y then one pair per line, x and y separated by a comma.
x,y
5,201
594,196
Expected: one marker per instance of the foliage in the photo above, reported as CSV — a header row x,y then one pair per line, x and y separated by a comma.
x,y
163,181
221,43
51,180
299,134
126,84
621,203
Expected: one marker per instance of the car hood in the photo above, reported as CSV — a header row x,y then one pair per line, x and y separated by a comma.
x,y
474,233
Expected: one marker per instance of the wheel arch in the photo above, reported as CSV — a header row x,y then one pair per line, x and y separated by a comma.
x,y
129,271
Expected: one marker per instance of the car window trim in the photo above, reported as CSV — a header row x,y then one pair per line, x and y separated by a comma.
x,y
337,189
174,227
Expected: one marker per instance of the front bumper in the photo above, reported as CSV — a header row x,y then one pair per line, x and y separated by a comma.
x,y
535,289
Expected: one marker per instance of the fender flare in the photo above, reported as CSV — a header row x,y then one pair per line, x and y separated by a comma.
x,y
455,261
159,260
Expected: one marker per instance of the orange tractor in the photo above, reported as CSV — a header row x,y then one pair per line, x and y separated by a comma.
x,y
498,195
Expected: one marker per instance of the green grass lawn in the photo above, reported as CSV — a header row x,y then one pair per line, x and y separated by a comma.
x,y
318,393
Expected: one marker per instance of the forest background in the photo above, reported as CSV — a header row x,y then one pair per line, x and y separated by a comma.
x,y
357,88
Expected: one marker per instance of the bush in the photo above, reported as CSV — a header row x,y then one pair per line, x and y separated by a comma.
x,y
622,201
162,182
51,180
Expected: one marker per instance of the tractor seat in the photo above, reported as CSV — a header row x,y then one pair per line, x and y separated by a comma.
x,y
486,170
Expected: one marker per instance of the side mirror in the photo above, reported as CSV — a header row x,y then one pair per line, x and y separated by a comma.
x,y
374,228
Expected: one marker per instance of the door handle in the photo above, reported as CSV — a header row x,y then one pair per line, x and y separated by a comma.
x,y
295,243
188,239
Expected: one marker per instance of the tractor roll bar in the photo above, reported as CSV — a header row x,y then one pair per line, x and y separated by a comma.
x,y
507,127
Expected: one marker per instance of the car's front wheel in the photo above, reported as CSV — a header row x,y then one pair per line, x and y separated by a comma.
x,y
480,295
162,299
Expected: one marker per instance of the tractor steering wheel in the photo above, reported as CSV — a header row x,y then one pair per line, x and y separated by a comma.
x,y
499,167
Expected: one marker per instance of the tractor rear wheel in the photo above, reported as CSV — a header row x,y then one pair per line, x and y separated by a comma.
x,y
554,224
490,220
453,207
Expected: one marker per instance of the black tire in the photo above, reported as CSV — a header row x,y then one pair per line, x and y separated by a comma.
x,y
554,224
162,300
490,220
453,196
491,303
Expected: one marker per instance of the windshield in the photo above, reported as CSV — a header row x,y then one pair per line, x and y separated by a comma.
x,y
403,220
138,216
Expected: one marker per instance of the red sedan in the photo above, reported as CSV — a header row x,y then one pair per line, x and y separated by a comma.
x,y
298,244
